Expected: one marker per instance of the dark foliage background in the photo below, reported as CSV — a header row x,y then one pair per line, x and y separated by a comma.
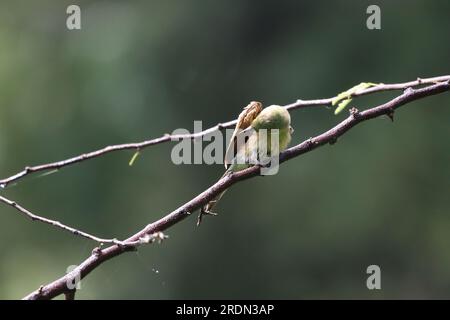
x,y
139,69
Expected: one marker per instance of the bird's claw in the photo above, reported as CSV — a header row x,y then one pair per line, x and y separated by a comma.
x,y
204,212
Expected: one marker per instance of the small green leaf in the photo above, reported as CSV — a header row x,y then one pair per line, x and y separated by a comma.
x,y
341,96
344,98
342,105
133,158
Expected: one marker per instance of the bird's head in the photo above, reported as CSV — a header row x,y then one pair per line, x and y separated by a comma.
x,y
272,117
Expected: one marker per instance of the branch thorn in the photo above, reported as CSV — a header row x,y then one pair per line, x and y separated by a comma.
x,y
333,140
354,112
390,114
311,141
408,90
97,251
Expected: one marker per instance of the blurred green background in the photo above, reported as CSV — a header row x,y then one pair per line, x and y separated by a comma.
x,y
138,69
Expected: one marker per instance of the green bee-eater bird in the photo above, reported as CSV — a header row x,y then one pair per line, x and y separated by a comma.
x,y
252,141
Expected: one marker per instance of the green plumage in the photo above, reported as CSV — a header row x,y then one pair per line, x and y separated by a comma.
x,y
247,147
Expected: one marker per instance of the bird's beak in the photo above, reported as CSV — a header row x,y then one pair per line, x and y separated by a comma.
x,y
291,130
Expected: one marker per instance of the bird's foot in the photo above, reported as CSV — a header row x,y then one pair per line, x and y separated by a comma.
x,y
205,211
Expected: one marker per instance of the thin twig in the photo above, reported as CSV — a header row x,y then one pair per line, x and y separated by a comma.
x,y
59,286
58,224
167,137
34,217
378,88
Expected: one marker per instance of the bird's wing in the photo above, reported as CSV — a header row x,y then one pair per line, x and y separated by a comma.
x,y
245,119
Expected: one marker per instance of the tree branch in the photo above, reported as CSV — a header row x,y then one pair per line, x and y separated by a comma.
x,y
99,256
60,225
137,146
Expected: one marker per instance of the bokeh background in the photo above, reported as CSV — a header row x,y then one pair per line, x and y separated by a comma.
x,y
138,69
